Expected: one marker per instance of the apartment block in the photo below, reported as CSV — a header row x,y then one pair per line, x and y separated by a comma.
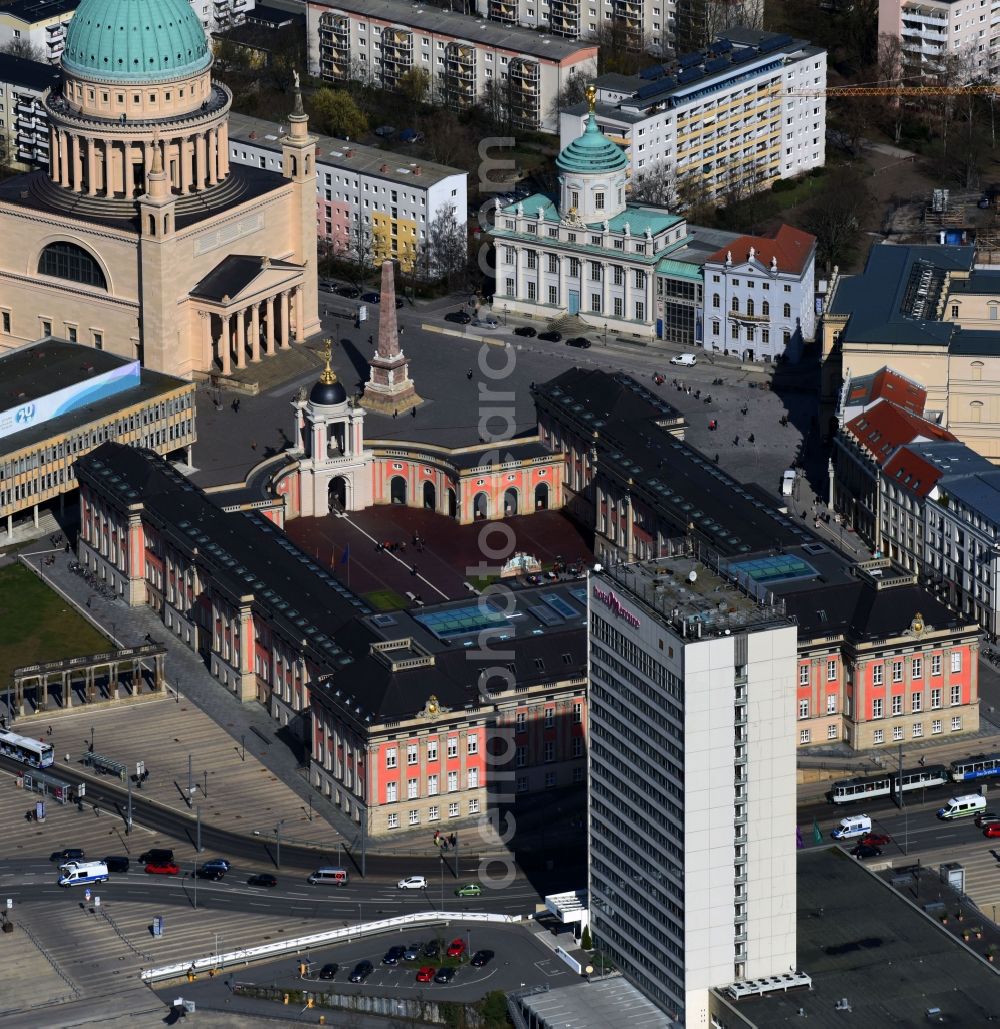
x,y
368,201
691,755
24,123
933,31
464,57
745,112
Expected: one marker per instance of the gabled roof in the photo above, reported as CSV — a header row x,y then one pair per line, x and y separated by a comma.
x,y
233,274
792,248
886,384
910,471
886,427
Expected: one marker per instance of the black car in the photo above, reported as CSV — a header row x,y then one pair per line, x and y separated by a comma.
x,y
362,970
578,341
351,292
266,880
69,854
399,303
866,850
550,337
525,330
328,971
461,317
212,874
371,298
481,958
432,949
393,955
444,975
326,287
156,857
116,864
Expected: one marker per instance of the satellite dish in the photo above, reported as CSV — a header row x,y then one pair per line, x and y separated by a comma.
x,y
692,576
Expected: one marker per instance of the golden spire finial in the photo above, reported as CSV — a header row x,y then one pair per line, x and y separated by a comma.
x,y
592,97
328,378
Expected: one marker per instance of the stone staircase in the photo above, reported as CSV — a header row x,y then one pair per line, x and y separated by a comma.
x,y
571,325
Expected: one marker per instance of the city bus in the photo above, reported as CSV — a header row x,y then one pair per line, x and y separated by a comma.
x,y
980,766
26,750
887,784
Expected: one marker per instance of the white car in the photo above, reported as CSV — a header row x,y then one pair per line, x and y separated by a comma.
x,y
688,360
415,882
486,322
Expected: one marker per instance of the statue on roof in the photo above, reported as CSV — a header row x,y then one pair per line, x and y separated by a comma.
x,y
592,97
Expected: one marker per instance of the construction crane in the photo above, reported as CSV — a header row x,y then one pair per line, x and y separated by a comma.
x,y
981,89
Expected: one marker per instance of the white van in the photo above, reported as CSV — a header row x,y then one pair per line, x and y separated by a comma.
x,y
852,825
959,807
330,876
78,873
788,482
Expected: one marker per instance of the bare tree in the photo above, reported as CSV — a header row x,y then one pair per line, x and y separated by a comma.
x,y
23,47
838,212
448,243
657,186
620,48
574,91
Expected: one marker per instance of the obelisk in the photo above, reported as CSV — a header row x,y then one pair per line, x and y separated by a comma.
x,y
389,389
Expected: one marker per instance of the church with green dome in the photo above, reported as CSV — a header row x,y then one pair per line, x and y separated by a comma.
x,y
589,253
141,238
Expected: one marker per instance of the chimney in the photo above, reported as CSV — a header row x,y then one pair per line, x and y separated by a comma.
x,y
253,134
418,170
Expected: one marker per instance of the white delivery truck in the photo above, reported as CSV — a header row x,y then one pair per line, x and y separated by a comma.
x,y
79,873
852,825
788,482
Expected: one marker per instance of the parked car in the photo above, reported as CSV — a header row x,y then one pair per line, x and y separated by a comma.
x,y
412,951
163,868
685,360
486,322
985,818
460,317
211,874
328,971
425,974
525,330
411,136
863,850
444,975
156,856
414,882
581,342
326,287
362,970
432,949
385,131
481,958
371,298
69,854
456,948
117,864
551,337
469,890
265,880
351,292
992,831
875,839
393,955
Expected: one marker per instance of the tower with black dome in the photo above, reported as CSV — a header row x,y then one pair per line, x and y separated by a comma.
x,y
141,238
336,472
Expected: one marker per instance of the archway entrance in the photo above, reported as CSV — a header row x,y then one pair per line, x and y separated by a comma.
x,y
430,495
397,490
480,506
542,496
338,494
510,502
452,504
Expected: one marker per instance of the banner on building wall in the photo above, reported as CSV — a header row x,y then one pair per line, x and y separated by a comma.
x,y
81,394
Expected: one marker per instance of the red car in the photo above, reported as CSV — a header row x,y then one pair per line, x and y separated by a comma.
x,y
168,868
456,948
992,831
876,839
426,974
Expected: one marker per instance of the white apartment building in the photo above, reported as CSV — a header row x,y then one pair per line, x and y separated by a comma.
x,y
43,23
366,199
760,296
24,123
931,30
692,782
381,40
745,112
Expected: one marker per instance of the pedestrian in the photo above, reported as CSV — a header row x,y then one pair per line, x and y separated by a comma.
x,y
97,811
751,438
48,731
922,762
413,570
716,458
413,412
395,412
736,441
253,444
468,375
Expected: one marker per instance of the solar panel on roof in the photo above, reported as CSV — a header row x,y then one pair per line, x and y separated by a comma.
x,y
717,64
722,46
690,75
689,60
742,56
651,73
647,91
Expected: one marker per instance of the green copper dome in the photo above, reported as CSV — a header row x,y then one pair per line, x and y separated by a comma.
x,y
135,40
592,154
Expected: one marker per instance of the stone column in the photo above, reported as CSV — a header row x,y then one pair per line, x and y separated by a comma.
x,y
284,336
226,342
187,165
63,159
223,142
199,161
241,339
255,332
212,144
208,354
75,162
91,168
53,154
270,325
300,315
126,169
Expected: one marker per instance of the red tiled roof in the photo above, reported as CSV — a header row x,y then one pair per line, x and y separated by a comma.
x,y
791,247
912,472
886,428
886,384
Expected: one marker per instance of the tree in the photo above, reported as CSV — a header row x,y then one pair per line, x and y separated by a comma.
x,y
336,114
447,245
23,47
620,49
574,91
657,186
494,101
585,941
413,86
448,141
837,214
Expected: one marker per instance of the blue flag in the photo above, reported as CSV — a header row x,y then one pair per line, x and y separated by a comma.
x,y
346,554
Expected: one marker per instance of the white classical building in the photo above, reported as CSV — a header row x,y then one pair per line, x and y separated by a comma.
x,y
759,297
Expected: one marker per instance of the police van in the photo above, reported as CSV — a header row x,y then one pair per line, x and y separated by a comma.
x,y
962,807
79,873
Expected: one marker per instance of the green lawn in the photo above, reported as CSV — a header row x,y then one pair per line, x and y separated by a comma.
x,y
386,600
37,625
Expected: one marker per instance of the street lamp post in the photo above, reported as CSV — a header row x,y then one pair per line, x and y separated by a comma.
x,y
91,739
605,333
277,835
243,747
505,315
